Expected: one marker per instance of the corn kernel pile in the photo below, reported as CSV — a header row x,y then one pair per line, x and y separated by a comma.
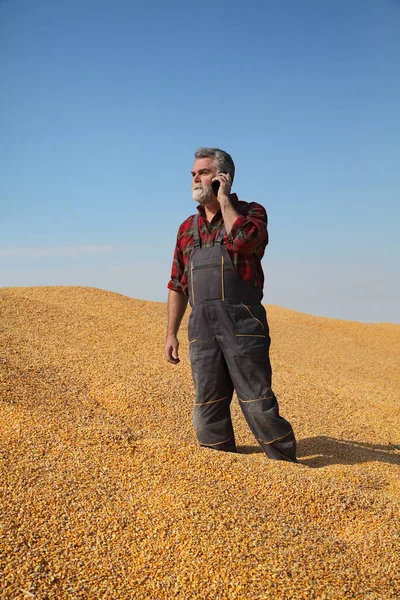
x,y
104,492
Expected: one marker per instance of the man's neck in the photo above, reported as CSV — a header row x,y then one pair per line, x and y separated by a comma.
x,y
211,209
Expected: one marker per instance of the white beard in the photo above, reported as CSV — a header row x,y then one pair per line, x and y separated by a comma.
x,y
202,195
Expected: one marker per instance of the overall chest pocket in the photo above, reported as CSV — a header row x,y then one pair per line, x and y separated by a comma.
x,y
251,330
207,280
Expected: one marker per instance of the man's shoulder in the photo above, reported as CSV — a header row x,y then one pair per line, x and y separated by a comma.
x,y
187,223
250,208
186,226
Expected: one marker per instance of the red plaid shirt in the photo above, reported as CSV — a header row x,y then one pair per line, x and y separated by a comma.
x,y
245,243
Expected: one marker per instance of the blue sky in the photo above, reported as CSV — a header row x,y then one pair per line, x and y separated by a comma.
x,y
103,103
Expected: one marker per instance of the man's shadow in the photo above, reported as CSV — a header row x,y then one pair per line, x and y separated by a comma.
x,y
321,451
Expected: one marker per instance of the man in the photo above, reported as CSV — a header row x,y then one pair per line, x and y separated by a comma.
x,y
217,268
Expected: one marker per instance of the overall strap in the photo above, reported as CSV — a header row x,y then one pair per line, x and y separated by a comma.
x,y
220,236
196,236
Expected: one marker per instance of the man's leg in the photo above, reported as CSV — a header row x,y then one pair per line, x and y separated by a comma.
x,y
273,432
250,370
214,388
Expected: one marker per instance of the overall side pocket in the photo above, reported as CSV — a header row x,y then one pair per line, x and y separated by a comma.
x,y
251,330
192,335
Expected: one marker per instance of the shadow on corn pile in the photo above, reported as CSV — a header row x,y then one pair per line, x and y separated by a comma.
x,y
323,451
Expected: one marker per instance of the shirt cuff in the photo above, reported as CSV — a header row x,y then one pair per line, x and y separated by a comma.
x,y
177,287
236,227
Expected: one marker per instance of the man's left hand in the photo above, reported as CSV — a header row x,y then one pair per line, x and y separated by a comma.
x,y
225,185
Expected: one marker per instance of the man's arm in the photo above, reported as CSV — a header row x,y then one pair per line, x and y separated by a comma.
x,y
177,303
249,233
245,234
229,214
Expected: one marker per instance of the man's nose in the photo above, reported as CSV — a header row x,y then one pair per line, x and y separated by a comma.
x,y
197,178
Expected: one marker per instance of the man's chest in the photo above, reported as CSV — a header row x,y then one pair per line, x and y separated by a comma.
x,y
208,233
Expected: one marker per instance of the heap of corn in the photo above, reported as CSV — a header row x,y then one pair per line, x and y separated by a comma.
x,y
105,493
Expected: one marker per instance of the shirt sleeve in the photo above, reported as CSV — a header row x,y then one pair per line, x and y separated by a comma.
x,y
249,231
178,281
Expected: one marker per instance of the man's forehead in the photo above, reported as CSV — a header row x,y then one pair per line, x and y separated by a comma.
x,y
203,163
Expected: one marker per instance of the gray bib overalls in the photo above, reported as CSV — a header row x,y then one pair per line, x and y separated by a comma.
x,y
229,349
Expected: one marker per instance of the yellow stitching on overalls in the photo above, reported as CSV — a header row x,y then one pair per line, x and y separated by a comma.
x,y
256,399
223,283
249,335
210,402
216,444
252,314
275,440
191,277
191,341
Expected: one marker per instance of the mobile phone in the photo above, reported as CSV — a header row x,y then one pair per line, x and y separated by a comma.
x,y
215,184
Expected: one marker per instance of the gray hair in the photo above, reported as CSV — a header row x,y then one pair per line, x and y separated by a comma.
x,y
222,160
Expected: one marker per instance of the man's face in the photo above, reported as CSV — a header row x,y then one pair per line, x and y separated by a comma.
x,y
203,173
